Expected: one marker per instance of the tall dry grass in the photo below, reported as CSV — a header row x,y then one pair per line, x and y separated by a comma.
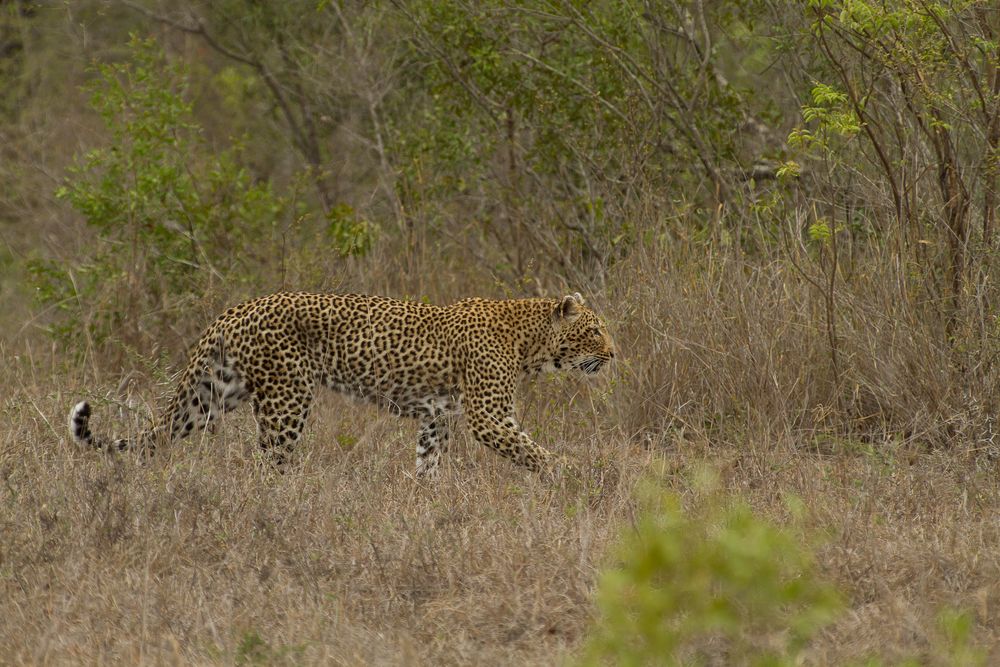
x,y
200,556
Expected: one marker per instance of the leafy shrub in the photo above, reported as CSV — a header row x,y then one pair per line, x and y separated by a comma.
x,y
171,217
713,581
547,119
718,583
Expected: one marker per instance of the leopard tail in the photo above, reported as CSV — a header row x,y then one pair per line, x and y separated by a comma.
x,y
79,428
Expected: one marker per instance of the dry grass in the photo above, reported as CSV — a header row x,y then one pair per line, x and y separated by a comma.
x,y
346,559
201,557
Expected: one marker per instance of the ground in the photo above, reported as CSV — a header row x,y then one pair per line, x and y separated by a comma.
x,y
200,556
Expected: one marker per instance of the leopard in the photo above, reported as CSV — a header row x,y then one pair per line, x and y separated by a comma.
x,y
414,359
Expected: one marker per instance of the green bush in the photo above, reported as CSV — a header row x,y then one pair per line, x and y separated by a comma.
x,y
716,583
555,116
171,217
713,581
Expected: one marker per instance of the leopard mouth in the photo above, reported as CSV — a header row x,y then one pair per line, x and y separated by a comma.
x,y
591,365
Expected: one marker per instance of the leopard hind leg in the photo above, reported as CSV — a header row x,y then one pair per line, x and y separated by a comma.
x,y
206,393
434,437
281,411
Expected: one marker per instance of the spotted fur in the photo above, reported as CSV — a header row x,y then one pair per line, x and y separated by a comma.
x,y
417,360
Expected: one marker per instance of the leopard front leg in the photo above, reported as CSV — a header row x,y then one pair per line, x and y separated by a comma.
x,y
493,424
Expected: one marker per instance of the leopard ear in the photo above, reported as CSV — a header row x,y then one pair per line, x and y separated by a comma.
x,y
568,309
578,297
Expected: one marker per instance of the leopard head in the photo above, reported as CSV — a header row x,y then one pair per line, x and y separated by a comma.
x,y
580,340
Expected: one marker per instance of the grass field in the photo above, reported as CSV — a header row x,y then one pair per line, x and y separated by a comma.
x,y
202,556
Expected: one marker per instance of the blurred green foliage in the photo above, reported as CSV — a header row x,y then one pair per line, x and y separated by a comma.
x,y
714,580
710,583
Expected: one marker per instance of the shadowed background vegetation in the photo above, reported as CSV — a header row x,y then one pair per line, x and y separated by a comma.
x,y
786,212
